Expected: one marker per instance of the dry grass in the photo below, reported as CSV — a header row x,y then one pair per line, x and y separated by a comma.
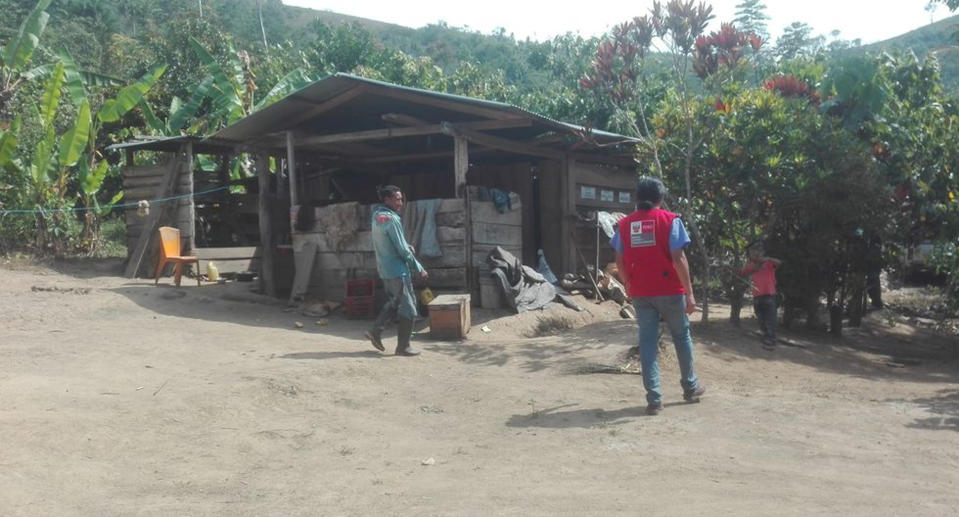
x,y
551,325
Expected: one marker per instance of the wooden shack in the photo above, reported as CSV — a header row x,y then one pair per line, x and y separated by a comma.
x,y
331,143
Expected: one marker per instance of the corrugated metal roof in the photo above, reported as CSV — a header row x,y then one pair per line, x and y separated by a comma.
x,y
172,144
274,117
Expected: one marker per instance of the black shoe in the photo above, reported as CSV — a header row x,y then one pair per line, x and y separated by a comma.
x,y
694,394
654,409
374,338
769,343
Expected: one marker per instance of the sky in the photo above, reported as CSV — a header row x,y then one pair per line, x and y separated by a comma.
x,y
869,20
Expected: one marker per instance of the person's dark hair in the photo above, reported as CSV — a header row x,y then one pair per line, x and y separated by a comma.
x,y
388,191
649,193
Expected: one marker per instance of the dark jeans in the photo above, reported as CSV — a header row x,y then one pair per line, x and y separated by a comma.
x,y
765,307
400,301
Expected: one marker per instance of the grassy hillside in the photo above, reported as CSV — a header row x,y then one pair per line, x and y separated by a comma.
x,y
941,38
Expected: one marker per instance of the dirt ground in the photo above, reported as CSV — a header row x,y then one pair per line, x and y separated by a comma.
x,y
121,398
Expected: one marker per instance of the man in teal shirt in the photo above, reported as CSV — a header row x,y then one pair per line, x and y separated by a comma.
x,y
395,264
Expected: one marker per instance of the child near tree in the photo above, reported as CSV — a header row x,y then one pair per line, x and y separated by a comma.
x,y
762,272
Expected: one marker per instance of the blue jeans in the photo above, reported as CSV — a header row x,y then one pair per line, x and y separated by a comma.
x,y
672,309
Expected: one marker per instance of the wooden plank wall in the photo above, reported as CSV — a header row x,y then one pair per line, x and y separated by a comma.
x,y
232,259
141,182
491,229
515,177
355,257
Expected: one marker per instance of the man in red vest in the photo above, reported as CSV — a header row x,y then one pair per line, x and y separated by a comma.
x,y
650,253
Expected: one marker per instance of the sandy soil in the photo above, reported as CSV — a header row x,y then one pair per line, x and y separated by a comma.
x,y
121,398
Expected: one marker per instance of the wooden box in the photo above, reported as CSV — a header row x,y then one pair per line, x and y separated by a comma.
x,y
450,316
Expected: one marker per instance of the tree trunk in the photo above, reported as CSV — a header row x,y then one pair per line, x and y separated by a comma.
x,y
835,320
262,28
735,307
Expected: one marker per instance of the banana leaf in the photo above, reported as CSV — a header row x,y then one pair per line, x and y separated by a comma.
x,y
8,143
178,118
92,179
43,159
151,119
76,79
74,141
290,83
220,79
105,209
18,51
129,97
50,100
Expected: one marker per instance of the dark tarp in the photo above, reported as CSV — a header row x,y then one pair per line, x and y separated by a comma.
x,y
523,287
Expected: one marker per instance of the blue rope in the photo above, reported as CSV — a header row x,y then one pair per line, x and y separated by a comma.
x,y
117,205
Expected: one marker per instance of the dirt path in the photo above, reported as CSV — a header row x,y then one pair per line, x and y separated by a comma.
x,y
118,398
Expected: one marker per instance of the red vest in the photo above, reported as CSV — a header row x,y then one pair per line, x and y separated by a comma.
x,y
644,235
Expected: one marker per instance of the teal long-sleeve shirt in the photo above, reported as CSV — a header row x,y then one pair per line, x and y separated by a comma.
x,y
393,256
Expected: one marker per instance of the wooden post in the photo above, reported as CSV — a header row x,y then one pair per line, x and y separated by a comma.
x,y
129,155
291,168
262,165
191,206
461,163
567,208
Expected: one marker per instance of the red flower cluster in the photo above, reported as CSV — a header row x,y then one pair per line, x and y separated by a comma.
x,y
792,86
723,48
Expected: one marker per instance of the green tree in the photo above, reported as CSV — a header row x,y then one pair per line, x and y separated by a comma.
x,y
798,41
751,17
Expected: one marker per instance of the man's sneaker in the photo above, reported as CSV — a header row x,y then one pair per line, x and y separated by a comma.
x,y
694,394
654,409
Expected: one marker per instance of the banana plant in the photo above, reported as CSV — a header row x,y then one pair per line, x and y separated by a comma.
x,y
231,89
16,54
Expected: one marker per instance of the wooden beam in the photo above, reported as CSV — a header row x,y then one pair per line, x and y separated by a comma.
x,y
191,207
531,149
461,163
148,231
262,165
500,143
326,106
567,211
403,120
291,168
398,132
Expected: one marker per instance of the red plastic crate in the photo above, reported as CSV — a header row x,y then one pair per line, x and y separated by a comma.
x,y
359,307
359,288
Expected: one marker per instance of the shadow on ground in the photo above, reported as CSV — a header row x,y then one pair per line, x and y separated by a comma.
x,y
868,353
944,409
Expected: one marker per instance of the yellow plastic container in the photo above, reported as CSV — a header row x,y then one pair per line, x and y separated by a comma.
x,y
212,273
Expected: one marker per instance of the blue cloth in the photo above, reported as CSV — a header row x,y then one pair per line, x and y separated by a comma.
x,y
500,198
678,238
672,309
393,256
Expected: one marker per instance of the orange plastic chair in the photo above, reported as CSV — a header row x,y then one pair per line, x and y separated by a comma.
x,y
170,252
